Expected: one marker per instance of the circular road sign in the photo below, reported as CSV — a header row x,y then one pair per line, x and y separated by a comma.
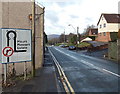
x,y
8,51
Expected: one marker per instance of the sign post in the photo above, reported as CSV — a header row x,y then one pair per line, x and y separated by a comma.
x,y
15,47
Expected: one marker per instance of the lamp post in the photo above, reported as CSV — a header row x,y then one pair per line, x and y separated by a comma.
x,y
77,35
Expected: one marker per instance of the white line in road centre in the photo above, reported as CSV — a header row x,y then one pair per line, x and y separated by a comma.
x,y
111,72
89,64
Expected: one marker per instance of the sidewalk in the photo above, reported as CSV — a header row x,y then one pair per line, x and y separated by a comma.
x,y
45,80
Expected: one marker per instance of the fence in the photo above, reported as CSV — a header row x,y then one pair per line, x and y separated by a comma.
x,y
112,50
118,50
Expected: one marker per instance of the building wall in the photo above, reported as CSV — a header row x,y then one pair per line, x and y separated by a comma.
x,y
113,27
0,14
39,39
16,15
102,22
103,38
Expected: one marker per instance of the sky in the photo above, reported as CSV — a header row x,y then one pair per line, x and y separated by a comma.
x,y
79,13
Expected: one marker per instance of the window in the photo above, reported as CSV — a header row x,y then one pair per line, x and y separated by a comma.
x,y
104,25
104,33
100,26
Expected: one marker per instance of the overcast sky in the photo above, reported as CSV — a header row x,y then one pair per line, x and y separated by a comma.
x,y
60,13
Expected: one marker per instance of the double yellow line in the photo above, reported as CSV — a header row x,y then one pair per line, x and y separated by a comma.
x,y
67,86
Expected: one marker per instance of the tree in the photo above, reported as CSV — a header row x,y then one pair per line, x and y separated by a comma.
x,y
72,38
53,41
61,38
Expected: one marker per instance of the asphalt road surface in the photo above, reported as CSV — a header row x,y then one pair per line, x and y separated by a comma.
x,y
86,73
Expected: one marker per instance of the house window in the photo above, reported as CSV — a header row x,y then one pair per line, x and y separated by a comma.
x,y
104,25
104,33
100,26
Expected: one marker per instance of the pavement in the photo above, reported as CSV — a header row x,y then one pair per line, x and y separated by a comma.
x,y
45,80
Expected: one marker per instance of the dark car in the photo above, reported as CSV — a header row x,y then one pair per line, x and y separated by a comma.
x,y
72,48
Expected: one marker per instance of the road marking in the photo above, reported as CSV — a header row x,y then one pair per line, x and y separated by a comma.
x,y
89,64
111,72
63,76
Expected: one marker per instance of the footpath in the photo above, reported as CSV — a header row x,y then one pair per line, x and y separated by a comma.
x,y
45,80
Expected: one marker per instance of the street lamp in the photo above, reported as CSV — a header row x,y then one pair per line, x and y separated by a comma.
x,y
77,35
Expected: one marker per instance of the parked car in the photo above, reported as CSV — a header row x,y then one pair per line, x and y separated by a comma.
x,y
62,45
72,48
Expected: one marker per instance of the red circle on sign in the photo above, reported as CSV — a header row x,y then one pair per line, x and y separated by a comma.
x,y
5,53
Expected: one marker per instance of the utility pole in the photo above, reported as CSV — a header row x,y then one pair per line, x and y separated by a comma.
x,y
77,38
33,38
64,35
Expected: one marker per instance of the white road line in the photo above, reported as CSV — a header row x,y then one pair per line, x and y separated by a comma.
x,y
89,64
111,72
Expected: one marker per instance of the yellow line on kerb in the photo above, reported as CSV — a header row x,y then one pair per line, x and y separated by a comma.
x,y
67,86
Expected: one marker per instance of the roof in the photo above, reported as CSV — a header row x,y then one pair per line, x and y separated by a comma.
x,y
111,18
94,31
86,39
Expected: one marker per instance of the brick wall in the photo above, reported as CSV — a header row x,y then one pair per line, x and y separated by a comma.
x,y
103,37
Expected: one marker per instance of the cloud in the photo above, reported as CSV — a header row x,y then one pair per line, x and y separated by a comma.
x,y
74,16
60,13
52,16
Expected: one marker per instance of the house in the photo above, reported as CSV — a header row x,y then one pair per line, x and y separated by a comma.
x,y
108,26
16,16
93,32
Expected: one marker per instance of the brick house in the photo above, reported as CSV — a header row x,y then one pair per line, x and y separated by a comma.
x,y
93,32
107,25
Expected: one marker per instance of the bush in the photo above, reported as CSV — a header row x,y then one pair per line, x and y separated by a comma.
x,y
114,36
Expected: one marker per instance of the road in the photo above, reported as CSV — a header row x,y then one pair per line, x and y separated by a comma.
x,y
86,73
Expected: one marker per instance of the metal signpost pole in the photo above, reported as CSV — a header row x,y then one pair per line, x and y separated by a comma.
x,y
33,38
25,70
5,74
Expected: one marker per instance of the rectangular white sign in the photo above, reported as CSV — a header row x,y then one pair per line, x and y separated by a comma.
x,y
15,45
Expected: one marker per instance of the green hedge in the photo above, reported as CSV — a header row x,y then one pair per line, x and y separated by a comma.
x,y
114,36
